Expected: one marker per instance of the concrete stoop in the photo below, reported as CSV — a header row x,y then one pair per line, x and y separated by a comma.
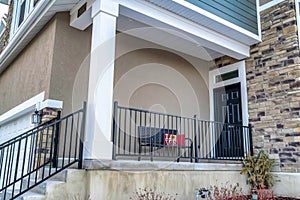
x,y
68,184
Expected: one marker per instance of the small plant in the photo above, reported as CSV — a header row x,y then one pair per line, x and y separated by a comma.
x,y
258,168
265,194
227,192
149,194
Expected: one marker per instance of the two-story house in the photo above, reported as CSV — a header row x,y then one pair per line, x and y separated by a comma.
x,y
170,89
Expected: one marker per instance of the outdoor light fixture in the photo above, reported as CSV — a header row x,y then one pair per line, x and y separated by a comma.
x,y
36,117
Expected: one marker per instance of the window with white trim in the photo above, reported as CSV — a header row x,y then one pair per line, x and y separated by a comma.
x,y
22,9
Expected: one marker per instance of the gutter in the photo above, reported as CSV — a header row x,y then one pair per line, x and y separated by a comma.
x,y
14,44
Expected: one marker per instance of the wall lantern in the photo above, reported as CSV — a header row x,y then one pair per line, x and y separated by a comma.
x,y
36,117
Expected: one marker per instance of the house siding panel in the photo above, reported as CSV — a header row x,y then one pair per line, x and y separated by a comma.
x,y
240,13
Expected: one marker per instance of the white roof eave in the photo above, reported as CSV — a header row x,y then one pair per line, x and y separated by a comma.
x,y
41,14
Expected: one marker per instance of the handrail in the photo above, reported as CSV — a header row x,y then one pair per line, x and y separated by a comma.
x,y
27,132
32,131
173,115
33,157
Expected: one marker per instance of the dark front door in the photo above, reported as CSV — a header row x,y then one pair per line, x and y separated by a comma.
x,y
228,114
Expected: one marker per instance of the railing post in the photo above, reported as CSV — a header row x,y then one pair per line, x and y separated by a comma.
x,y
196,139
56,140
115,119
80,162
250,140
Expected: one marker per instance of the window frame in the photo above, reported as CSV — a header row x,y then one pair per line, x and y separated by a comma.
x,y
15,25
241,67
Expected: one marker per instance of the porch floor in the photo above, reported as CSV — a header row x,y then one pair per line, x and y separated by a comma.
x,y
133,165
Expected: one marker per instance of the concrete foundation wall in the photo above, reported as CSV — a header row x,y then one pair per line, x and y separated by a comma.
x,y
122,184
117,185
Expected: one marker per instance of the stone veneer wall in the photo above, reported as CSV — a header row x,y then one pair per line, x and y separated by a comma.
x,y
223,61
45,137
273,79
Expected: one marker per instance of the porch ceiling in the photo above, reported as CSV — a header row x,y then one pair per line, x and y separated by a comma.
x,y
165,37
176,32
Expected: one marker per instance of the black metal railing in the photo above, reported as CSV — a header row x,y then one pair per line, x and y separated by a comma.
x,y
33,157
145,134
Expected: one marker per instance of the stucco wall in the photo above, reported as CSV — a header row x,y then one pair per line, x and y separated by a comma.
x,y
56,61
69,75
29,74
151,77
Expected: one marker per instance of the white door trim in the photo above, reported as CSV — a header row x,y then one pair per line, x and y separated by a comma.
x,y
241,67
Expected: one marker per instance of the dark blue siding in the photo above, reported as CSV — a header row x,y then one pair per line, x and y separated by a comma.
x,y
242,13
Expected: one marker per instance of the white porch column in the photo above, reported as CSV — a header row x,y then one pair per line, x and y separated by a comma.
x,y
98,143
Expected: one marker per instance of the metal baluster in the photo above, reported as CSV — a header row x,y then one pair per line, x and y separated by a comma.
x,y
124,131
71,137
130,118
56,140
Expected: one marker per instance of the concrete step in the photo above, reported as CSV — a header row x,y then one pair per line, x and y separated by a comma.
x,y
61,176
27,196
68,184
31,196
42,187
8,194
66,161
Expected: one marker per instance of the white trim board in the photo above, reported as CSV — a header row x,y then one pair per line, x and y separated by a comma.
x,y
241,67
22,109
270,4
216,18
35,103
297,7
49,103
258,20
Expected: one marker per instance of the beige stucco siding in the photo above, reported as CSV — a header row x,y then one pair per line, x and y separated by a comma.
x,y
151,77
29,74
56,61
69,79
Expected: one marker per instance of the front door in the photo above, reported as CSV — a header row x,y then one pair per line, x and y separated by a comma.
x,y
228,115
